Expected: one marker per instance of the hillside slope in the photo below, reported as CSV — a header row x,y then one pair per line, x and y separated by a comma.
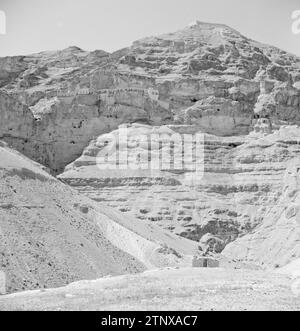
x,y
51,236
276,242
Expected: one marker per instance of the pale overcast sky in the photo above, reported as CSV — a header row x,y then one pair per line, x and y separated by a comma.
x,y
37,25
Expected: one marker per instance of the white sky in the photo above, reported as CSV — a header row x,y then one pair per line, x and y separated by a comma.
x,y
37,25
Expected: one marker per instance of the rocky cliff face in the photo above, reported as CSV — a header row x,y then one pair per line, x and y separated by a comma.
x,y
243,96
242,181
206,74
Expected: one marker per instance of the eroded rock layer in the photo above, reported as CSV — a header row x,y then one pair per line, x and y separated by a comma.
x,y
242,182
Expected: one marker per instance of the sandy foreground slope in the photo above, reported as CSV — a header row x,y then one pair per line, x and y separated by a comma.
x,y
167,289
51,236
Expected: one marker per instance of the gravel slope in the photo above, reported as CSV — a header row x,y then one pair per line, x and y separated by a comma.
x,y
51,236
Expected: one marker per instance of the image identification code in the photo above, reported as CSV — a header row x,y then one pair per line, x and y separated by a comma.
x,y
153,320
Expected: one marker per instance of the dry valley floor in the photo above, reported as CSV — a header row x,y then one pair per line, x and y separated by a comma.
x,y
166,289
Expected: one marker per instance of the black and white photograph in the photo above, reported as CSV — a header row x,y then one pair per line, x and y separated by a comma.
x,y
149,158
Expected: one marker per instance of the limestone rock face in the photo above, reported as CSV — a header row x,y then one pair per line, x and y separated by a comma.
x,y
218,116
68,123
242,182
17,121
56,130
205,74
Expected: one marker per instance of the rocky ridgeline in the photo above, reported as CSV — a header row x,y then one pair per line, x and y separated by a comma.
x,y
243,95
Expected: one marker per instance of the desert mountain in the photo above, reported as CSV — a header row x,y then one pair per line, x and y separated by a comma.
x,y
206,74
208,79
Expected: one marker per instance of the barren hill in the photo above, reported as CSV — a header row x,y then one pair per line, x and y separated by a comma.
x,y
243,96
51,236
